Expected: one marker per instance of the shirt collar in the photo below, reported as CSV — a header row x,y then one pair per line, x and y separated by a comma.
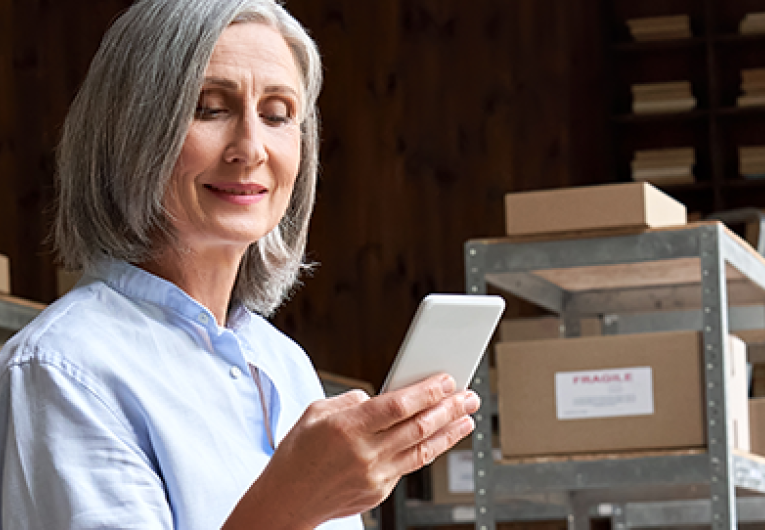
x,y
141,285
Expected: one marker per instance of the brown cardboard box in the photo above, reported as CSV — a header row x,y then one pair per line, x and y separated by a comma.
x,y
606,409
451,474
547,327
5,275
636,205
757,426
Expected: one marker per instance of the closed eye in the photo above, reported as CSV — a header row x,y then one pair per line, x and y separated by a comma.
x,y
209,113
276,111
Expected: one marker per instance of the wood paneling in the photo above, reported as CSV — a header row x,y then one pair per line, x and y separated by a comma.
x,y
45,48
432,110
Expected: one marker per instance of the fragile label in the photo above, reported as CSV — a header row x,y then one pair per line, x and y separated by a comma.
x,y
460,469
604,393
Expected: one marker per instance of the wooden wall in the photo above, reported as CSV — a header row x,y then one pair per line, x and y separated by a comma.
x,y
432,111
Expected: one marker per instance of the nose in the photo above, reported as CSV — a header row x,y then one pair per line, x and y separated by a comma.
x,y
246,145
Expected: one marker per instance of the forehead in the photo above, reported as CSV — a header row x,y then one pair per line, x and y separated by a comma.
x,y
254,49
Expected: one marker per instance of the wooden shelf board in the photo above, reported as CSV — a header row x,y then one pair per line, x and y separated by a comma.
x,y
737,38
663,117
670,44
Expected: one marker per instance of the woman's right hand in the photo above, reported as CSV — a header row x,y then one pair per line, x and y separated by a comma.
x,y
345,454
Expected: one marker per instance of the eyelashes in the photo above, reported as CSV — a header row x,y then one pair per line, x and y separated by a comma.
x,y
274,111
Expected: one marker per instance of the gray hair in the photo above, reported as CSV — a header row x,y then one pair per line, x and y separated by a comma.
x,y
126,127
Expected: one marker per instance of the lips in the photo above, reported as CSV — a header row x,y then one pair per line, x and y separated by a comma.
x,y
237,189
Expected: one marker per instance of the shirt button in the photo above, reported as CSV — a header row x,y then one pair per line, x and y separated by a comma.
x,y
202,318
235,372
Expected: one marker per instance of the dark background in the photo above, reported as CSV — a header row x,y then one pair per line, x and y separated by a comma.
x,y
432,110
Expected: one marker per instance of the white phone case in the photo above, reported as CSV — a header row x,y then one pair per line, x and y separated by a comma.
x,y
449,333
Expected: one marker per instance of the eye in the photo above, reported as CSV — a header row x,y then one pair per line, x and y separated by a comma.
x,y
277,112
210,106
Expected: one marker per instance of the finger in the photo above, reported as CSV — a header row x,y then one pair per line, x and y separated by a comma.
x,y
324,407
427,423
428,450
391,408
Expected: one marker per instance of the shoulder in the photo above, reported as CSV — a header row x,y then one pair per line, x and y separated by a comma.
x,y
87,331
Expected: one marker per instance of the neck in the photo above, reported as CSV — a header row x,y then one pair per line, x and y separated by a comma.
x,y
207,277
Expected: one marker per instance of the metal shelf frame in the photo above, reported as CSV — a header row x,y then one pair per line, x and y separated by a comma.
x,y
728,271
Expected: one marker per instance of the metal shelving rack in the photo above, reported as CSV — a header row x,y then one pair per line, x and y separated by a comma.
x,y
702,267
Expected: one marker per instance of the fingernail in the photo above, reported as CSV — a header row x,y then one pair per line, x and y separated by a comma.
x,y
467,426
472,402
448,385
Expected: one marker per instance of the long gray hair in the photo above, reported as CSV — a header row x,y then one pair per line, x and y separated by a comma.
x,y
126,127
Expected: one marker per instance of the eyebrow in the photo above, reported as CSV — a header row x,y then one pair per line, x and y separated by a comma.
x,y
228,84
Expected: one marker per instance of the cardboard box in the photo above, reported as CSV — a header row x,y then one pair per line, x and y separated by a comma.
x,y
547,327
633,205
451,474
757,426
609,394
5,275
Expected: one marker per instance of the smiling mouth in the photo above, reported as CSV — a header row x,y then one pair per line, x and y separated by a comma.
x,y
234,191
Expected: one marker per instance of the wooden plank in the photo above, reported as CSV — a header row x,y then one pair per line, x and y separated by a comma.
x,y
631,275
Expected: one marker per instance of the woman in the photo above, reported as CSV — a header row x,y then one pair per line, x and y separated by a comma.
x,y
153,395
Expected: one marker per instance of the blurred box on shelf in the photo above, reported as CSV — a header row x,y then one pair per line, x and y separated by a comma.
x,y
752,88
451,474
633,206
664,97
666,167
752,23
751,161
660,28
755,353
546,327
619,393
757,426
5,275
334,384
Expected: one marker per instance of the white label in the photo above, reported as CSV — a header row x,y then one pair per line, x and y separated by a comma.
x,y
460,469
463,514
604,393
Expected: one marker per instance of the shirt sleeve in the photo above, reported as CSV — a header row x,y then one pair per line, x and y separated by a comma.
x,y
70,461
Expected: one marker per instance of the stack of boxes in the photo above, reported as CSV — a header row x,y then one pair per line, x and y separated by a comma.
x,y
660,28
662,98
751,161
664,167
752,24
752,88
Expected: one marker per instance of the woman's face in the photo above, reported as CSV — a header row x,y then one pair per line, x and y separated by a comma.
x,y
233,180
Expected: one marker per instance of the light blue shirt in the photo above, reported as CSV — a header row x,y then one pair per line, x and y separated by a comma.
x,y
125,405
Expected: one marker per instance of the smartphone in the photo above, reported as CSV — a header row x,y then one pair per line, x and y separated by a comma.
x,y
449,333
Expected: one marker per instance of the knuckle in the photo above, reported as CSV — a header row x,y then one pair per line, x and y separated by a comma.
x,y
357,395
457,407
424,455
423,426
397,406
435,394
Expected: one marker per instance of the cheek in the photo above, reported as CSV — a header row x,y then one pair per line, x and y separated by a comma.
x,y
289,160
